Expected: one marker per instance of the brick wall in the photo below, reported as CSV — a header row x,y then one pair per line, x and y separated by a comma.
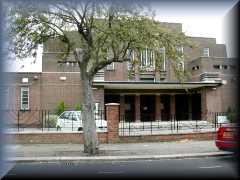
x,y
49,138
167,137
61,138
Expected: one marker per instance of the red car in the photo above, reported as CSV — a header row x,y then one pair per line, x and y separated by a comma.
x,y
227,136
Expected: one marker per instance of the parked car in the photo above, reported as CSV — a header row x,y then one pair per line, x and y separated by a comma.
x,y
72,120
227,137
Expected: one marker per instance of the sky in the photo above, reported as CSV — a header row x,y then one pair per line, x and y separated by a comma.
x,y
198,18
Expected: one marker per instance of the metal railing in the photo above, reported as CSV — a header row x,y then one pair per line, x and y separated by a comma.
x,y
47,120
174,123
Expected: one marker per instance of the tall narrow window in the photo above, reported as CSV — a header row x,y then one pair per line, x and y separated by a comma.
x,y
97,111
24,98
147,58
206,52
162,59
109,56
144,58
150,57
181,63
130,54
110,66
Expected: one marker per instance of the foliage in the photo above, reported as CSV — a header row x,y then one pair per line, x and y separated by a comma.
x,y
60,108
97,33
78,107
106,31
50,121
232,114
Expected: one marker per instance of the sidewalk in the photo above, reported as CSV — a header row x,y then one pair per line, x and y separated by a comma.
x,y
74,152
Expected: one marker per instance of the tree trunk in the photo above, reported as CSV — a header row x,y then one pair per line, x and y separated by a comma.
x,y
89,125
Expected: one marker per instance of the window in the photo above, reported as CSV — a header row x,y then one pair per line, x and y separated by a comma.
x,y
110,66
65,115
206,52
180,49
109,56
181,66
24,98
147,57
195,68
96,106
224,66
97,111
162,59
216,66
131,57
181,63
73,116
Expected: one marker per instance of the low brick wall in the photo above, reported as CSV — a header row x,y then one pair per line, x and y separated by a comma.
x,y
168,137
62,138
50,138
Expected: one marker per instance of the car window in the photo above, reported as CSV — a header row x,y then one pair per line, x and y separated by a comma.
x,y
74,116
65,115
78,114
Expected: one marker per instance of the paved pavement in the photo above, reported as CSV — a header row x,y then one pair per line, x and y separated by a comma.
x,y
122,151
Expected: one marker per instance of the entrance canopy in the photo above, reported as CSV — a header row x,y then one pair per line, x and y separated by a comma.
x,y
154,85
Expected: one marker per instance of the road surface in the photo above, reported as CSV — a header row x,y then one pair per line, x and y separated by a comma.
x,y
207,167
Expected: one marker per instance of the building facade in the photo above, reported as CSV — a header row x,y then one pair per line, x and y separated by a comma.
x,y
148,95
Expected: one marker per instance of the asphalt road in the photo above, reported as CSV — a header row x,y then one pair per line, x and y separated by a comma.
x,y
207,167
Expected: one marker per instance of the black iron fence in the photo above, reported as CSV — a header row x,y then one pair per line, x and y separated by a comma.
x,y
48,120
175,123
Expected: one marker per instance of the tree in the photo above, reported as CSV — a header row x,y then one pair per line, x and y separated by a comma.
x,y
98,33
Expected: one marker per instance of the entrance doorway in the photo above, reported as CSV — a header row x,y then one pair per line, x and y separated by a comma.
x,y
165,107
129,108
147,107
196,106
182,109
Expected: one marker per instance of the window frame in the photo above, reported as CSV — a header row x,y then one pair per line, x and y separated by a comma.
x,y
22,89
163,51
147,58
204,52
181,64
110,67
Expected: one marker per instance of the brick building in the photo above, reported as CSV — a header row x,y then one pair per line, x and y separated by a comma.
x,y
145,96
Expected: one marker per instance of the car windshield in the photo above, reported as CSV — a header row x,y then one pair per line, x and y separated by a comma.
x,y
78,114
65,115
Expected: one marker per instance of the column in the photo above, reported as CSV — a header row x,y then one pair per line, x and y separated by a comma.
x,y
112,116
157,107
137,108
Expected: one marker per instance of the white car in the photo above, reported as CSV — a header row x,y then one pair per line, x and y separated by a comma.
x,y
72,120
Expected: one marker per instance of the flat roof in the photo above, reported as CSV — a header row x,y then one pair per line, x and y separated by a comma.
x,y
154,85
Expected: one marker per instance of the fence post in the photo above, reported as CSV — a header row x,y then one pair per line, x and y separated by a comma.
x,y
177,122
196,124
42,119
48,118
112,116
18,120
151,126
